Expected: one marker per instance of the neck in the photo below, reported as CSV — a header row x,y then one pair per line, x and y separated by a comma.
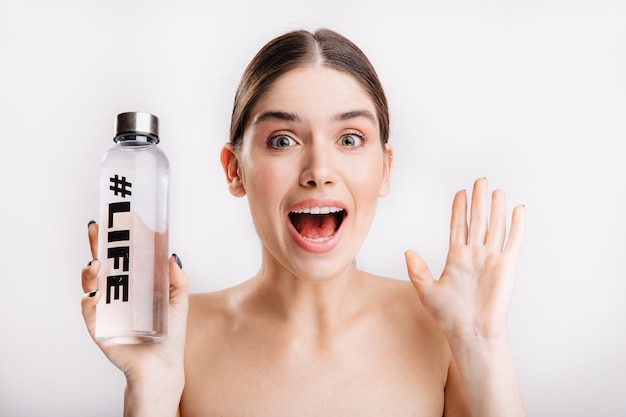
x,y
309,305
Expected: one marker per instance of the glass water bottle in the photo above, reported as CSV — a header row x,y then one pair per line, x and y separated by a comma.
x,y
133,234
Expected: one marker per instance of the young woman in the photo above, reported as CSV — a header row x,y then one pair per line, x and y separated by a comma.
x,y
310,334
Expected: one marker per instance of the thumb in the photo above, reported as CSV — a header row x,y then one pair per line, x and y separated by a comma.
x,y
419,273
88,308
179,284
179,301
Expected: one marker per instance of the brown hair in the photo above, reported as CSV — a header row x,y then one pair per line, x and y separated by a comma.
x,y
296,49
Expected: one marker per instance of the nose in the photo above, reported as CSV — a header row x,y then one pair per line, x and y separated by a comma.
x,y
318,168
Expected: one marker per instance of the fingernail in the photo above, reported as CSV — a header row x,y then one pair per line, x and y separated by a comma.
x,y
93,293
178,262
90,222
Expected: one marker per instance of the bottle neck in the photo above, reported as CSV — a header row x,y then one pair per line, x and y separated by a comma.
x,y
137,137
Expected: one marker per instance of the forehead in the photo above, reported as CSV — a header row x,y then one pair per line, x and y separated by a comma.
x,y
314,92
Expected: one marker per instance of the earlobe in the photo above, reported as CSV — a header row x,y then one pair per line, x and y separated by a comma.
x,y
236,187
230,164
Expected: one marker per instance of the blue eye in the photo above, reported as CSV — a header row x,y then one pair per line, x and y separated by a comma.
x,y
281,141
351,140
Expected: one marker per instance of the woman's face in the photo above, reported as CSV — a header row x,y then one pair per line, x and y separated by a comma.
x,y
313,168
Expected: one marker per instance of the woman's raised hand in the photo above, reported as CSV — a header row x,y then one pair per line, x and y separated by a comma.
x,y
154,372
472,297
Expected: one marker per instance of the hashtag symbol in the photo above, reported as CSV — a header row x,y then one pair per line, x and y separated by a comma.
x,y
119,186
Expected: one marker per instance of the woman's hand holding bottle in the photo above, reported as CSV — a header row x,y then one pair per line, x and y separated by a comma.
x,y
154,372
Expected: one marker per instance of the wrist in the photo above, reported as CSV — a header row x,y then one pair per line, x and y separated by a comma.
x,y
487,371
469,338
153,395
481,356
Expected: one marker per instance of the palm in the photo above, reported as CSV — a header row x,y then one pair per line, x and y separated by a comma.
x,y
474,291
140,358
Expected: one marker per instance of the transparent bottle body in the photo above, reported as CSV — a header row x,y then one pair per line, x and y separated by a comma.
x,y
133,244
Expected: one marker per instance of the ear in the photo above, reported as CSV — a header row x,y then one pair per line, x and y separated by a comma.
x,y
230,164
387,166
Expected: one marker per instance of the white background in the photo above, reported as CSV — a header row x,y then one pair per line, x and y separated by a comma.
x,y
531,94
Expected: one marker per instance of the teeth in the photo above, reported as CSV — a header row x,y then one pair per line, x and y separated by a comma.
x,y
318,210
318,240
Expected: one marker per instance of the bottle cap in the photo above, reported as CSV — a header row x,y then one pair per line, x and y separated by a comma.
x,y
137,122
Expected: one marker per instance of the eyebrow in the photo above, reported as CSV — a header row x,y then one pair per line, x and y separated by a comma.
x,y
292,117
355,114
280,115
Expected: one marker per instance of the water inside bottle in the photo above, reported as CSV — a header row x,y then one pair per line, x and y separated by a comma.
x,y
133,303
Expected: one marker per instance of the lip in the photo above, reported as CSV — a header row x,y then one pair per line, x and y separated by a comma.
x,y
309,245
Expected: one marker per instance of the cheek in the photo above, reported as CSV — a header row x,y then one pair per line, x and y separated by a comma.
x,y
262,184
263,171
367,177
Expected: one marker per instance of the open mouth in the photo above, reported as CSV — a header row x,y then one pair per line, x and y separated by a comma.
x,y
317,224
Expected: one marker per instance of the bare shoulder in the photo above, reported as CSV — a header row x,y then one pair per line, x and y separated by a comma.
x,y
390,289
211,302
208,312
396,297
399,305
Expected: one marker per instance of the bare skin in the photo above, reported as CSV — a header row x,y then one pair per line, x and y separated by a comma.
x,y
382,356
310,334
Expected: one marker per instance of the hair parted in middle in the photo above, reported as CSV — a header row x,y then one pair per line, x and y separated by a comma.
x,y
297,49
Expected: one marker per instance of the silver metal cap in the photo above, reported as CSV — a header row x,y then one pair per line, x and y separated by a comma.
x,y
137,122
